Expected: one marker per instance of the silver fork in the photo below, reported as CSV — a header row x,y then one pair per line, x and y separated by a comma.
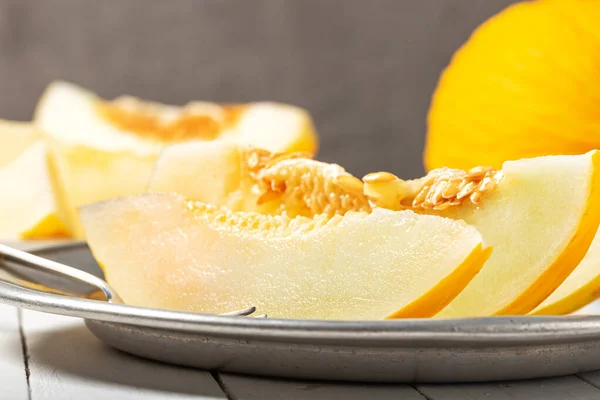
x,y
103,290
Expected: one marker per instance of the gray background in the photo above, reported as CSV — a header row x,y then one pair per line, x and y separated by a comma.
x,y
365,69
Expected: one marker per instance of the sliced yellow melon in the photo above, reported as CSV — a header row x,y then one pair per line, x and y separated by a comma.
x,y
28,208
102,149
249,179
164,251
539,214
579,289
15,137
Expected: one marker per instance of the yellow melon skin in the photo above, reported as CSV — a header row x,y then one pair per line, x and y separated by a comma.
x,y
50,226
96,158
29,208
163,251
525,84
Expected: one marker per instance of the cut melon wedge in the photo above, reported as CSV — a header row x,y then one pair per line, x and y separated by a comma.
x,y
15,138
28,208
163,251
103,149
214,172
579,289
540,218
244,178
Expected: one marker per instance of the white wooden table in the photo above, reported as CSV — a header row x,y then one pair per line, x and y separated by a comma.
x,y
44,356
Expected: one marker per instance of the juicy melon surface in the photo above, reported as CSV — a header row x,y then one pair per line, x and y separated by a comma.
x,y
209,172
163,251
244,178
579,289
28,208
102,149
540,219
15,138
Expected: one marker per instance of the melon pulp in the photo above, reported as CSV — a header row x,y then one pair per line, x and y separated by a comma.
x,y
579,289
540,219
103,149
28,208
15,138
244,178
163,251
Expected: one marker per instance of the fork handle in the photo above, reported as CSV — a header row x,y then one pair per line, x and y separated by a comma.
x,y
42,264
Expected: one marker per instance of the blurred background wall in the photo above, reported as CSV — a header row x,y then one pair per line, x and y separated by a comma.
x,y
365,69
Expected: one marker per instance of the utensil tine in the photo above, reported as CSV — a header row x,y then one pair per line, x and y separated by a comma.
x,y
245,312
42,264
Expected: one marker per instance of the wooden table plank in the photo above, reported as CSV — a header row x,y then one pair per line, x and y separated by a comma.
x,y
13,380
254,388
561,388
593,378
67,362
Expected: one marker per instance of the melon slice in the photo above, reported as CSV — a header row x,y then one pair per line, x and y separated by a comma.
x,y
539,214
249,179
579,289
161,250
103,149
15,138
28,208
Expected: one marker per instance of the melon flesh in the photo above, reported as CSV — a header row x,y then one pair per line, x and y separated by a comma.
x,y
540,219
96,158
15,138
579,289
244,178
163,251
28,208
209,172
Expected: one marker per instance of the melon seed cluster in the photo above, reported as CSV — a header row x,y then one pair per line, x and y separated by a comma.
x,y
195,120
438,190
299,185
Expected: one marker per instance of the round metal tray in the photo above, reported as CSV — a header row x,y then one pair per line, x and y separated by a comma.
x,y
418,350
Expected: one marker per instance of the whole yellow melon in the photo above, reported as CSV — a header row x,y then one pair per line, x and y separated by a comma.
x,y
526,84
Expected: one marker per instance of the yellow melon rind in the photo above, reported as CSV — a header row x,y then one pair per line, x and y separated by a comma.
x,y
50,227
442,294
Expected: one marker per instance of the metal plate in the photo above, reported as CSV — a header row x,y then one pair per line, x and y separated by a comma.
x,y
427,350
